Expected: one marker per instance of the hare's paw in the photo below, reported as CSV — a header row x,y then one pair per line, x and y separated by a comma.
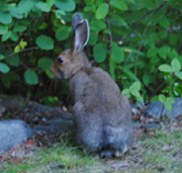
x,y
107,153
121,152
110,153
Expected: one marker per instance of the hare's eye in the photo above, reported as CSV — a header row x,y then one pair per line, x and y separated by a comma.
x,y
60,60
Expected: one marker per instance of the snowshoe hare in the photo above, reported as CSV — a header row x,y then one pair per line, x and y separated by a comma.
x,y
102,115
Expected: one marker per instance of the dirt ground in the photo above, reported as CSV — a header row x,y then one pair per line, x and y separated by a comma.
x,y
154,151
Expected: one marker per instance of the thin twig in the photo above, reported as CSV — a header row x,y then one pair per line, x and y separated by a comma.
x,y
110,33
23,50
143,17
109,28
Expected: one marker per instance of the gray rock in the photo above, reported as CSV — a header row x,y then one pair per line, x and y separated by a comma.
x,y
61,124
157,109
13,133
2,110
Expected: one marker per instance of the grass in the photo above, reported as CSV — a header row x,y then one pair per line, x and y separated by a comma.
x,y
53,157
161,152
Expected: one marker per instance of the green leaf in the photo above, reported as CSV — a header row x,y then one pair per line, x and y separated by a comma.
x,y
59,13
175,65
66,5
43,6
126,92
3,29
31,77
50,3
136,85
13,60
17,49
119,4
129,73
173,39
152,51
100,52
1,56
6,36
117,54
162,98
4,68
6,81
170,99
178,74
63,33
164,51
25,6
165,68
168,103
45,42
8,78
147,79
93,38
19,28
118,21
164,22
5,18
97,25
15,12
134,92
14,36
102,11
45,63
43,26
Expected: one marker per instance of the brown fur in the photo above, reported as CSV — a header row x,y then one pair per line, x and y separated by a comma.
x,y
102,114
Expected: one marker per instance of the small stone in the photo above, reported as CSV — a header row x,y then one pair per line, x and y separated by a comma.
x,y
157,109
167,148
13,133
56,165
119,165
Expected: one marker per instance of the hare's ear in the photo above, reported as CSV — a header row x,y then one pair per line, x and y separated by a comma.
x,y
81,32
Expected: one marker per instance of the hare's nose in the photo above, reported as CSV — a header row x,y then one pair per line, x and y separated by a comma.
x,y
60,59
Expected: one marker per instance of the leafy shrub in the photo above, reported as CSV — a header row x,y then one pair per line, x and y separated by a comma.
x,y
129,38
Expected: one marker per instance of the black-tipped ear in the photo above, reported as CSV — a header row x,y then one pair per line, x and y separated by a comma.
x,y
76,20
81,32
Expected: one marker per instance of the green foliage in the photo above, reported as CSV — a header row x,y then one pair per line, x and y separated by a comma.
x,y
134,91
102,11
45,42
129,39
175,67
173,76
66,5
31,77
45,63
100,52
20,46
167,101
4,68
117,54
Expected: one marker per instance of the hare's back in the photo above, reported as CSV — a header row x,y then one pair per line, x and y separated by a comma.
x,y
105,84
95,91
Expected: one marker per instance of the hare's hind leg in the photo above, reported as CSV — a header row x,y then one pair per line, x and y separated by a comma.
x,y
89,134
116,141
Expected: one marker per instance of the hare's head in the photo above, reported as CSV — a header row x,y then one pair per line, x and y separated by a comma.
x,y
72,60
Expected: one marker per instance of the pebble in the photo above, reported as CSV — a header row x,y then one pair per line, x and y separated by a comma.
x,y
13,133
157,110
